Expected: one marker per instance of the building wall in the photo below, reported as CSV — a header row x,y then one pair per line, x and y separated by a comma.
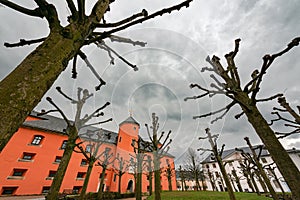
x,y
234,164
36,178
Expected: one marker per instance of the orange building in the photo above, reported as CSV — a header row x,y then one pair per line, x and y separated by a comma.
x,y
30,160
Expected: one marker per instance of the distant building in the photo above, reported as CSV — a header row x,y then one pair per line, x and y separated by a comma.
x,y
233,160
30,160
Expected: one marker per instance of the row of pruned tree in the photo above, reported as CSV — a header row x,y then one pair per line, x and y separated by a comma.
x,y
227,82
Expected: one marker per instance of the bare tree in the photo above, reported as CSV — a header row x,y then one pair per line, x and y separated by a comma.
x,y
212,139
169,172
122,167
247,99
23,88
159,149
193,166
150,173
73,134
92,140
104,161
260,170
284,115
183,177
72,130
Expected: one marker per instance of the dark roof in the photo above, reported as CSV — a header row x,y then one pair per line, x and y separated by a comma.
x,y
57,125
130,120
229,152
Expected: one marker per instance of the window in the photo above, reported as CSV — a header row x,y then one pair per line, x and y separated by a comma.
x,y
276,184
217,174
76,189
80,175
214,165
51,175
120,139
19,172
115,177
207,166
231,163
264,160
37,140
64,144
45,189
83,162
27,157
57,159
88,148
8,190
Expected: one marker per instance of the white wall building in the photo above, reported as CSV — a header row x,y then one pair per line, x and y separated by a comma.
x,y
233,161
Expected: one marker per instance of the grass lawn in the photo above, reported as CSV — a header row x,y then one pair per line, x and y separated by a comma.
x,y
208,195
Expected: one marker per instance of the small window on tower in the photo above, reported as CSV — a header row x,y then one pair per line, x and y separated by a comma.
x,y
120,139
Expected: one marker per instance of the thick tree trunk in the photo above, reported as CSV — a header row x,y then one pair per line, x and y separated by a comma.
x,y
224,174
86,179
150,182
157,184
62,168
120,181
282,159
23,88
138,189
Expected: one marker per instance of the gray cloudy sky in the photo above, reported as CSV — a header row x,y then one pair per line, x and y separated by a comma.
x,y
177,46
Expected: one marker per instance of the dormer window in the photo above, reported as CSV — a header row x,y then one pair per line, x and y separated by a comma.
x,y
37,140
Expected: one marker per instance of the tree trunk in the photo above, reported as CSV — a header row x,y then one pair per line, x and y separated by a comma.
x,y
86,179
24,87
150,182
170,181
224,174
101,187
254,184
62,168
120,180
282,159
157,184
138,189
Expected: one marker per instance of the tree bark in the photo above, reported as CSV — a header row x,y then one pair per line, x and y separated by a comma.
x,y
224,174
86,179
101,187
282,159
23,88
157,184
62,168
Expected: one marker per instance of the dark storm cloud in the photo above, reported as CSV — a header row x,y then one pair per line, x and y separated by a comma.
x,y
177,46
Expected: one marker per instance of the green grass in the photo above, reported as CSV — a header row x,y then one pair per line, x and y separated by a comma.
x,y
207,195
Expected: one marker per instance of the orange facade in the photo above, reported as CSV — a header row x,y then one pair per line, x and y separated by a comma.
x,y
30,159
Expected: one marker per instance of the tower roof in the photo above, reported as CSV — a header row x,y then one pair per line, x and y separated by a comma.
x,y
130,120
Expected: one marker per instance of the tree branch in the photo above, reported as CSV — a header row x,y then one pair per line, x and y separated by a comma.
x,y
24,42
34,13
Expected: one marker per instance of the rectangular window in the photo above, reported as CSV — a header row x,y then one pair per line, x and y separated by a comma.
x,y
76,189
214,165
207,166
19,172
81,175
57,159
27,157
83,162
263,160
64,144
88,148
51,175
115,177
8,190
37,140
45,189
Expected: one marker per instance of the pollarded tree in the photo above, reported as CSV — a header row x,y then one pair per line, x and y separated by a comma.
x,y
217,155
72,131
104,161
89,146
193,166
285,114
159,149
169,173
121,169
228,83
23,88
